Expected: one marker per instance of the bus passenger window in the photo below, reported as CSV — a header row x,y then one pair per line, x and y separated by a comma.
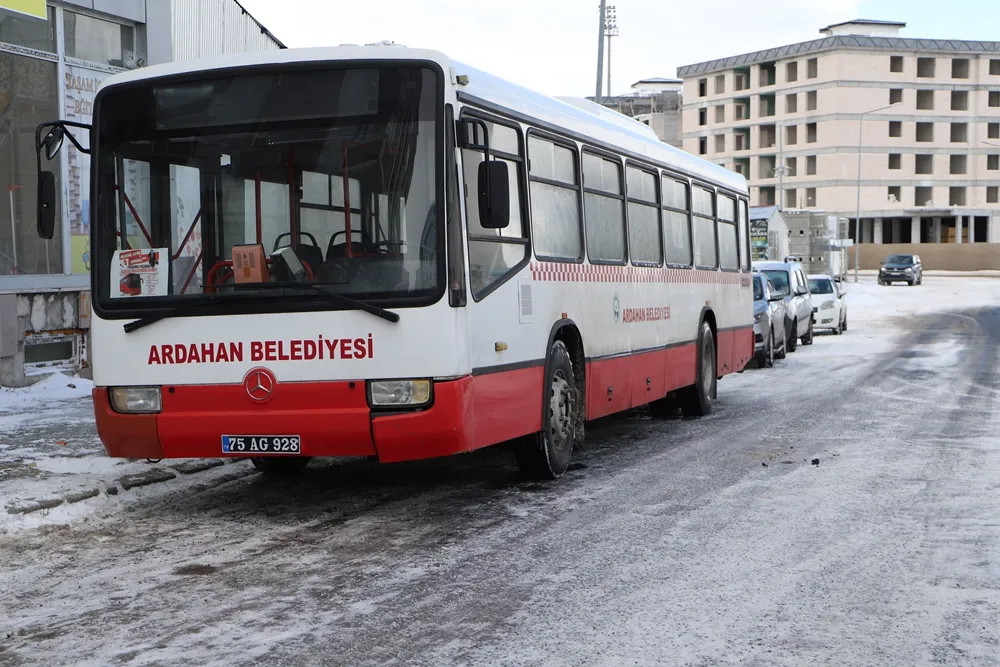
x,y
644,242
676,222
555,204
604,209
705,253
729,255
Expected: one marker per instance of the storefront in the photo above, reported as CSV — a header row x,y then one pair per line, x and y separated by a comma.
x,y
53,57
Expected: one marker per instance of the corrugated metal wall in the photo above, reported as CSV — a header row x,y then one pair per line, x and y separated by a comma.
x,y
216,27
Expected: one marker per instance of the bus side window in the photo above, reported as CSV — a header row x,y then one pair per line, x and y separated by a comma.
x,y
744,238
495,253
677,221
729,249
706,254
604,209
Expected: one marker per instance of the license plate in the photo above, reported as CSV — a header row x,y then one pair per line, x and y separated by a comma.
x,y
261,444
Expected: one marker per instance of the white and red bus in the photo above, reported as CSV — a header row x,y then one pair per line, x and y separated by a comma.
x,y
377,251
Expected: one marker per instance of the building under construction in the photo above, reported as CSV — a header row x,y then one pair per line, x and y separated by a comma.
x,y
655,102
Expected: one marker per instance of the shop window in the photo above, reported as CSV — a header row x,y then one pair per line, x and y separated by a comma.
x,y
45,353
28,32
97,40
28,96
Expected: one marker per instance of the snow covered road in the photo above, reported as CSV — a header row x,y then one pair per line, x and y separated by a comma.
x,y
703,542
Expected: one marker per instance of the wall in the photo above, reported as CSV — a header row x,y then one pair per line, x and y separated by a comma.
x,y
35,313
934,256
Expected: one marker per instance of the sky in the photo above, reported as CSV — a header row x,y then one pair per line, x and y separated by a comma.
x,y
551,45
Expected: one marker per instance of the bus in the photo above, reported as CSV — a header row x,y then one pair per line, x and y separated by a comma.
x,y
375,251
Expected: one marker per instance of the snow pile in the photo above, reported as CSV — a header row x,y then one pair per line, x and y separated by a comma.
x,y
57,387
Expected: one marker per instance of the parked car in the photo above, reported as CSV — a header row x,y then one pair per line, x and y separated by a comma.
x,y
768,322
901,269
829,303
789,280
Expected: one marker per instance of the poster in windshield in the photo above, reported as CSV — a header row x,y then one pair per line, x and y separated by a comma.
x,y
140,272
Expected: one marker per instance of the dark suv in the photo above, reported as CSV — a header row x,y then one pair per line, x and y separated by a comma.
x,y
901,269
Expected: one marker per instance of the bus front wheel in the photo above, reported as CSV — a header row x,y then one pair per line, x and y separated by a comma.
x,y
284,466
546,454
696,400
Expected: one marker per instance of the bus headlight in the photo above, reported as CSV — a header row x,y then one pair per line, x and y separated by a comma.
x,y
136,400
399,393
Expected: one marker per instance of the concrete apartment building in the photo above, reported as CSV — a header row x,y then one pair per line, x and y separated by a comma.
x,y
657,103
788,119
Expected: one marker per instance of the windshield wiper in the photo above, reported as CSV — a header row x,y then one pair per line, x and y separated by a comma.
x,y
173,312
314,288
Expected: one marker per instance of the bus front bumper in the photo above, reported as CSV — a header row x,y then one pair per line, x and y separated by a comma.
x,y
331,418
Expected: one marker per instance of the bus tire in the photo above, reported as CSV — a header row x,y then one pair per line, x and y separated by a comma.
x,y
546,454
283,466
696,400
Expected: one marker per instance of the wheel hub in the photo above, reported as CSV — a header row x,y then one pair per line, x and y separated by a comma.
x,y
561,404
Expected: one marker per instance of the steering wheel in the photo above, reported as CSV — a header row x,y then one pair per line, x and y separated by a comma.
x,y
289,235
373,247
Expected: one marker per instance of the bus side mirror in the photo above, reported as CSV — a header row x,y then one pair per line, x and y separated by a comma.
x,y
46,204
53,141
494,194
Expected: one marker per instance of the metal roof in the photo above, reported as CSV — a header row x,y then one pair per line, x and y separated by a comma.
x,y
263,30
762,212
840,42
657,79
864,22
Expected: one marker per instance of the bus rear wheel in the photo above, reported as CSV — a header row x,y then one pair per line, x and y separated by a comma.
x,y
696,400
546,454
284,466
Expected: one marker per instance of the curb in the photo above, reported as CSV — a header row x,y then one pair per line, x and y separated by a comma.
x,y
134,481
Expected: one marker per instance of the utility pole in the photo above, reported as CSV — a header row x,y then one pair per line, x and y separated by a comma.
x,y
610,30
600,53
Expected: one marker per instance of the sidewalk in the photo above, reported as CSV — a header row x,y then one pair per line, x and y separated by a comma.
x,y
50,454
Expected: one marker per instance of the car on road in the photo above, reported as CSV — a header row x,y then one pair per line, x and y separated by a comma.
x,y
789,280
768,322
829,303
901,269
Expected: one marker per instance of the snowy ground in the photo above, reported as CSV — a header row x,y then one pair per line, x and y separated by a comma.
x,y
701,542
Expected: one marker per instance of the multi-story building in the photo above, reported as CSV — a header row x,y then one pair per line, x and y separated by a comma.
x,y
655,102
53,56
920,116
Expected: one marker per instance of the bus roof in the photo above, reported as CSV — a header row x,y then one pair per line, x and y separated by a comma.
x,y
580,117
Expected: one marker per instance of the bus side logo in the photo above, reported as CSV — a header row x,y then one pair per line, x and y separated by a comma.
x,y
616,309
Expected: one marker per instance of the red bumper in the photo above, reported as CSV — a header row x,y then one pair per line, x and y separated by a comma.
x,y
332,418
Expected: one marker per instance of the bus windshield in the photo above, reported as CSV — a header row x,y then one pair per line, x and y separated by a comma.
x,y
200,182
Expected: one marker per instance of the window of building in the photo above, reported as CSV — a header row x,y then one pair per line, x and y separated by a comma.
x,y
994,98
720,84
895,194
811,133
896,64
993,195
958,164
959,132
792,135
994,67
703,207
703,116
923,196
925,99
924,164
97,40
791,167
792,103
790,201
703,146
810,165
765,196
960,68
811,198
768,136
644,242
993,131
494,253
720,113
895,161
768,74
766,166
702,87
741,141
555,200
812,68
729,244
812,100
604,209
956,196
29,32
676,221
29,95
895,95
959,100
720,143
925,68
925,132
993,162
895,128
792,72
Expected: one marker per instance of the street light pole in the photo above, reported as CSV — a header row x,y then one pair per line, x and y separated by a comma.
x,y
857,220
600,52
